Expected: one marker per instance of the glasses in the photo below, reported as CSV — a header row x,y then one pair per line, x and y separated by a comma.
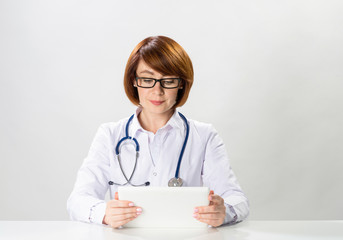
x,y
168,83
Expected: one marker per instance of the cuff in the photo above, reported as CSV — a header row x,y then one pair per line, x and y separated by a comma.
x,y
230,216
97,212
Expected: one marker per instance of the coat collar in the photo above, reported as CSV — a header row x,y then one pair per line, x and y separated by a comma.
x,y
175,122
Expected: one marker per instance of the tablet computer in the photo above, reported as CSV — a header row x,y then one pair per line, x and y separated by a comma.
x,y
165,207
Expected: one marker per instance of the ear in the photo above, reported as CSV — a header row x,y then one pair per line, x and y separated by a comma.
x,y
181,84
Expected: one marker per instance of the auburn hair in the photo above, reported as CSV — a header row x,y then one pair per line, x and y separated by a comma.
x,y
165,56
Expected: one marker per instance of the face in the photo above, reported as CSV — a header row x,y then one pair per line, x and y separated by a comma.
x,y
156,100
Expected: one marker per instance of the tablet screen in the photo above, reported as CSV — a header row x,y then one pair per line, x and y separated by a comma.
x,y
165,206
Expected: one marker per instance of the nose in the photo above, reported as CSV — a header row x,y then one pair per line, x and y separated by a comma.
x,y
158,89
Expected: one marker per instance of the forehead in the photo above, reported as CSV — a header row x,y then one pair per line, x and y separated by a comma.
x,y
143,67
144,70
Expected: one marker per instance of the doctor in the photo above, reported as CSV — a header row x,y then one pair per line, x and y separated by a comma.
x,y
158,79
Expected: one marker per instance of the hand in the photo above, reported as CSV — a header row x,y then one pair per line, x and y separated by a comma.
x,y
119,212
214,213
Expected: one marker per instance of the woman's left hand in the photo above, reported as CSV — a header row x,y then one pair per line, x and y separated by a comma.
x,y
214,213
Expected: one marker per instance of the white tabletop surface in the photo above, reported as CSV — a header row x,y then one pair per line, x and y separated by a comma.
x,y
256,230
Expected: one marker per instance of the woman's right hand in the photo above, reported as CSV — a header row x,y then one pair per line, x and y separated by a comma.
x,y
119,212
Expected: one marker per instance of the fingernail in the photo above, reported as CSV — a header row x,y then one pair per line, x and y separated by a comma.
x,y
196,210
195,215
131,204
139,210
139,213
210,198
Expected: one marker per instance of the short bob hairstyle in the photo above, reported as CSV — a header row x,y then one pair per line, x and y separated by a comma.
x,y
165,56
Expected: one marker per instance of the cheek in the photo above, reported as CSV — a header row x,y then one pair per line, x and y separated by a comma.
x,y
141,93
173,95
176,97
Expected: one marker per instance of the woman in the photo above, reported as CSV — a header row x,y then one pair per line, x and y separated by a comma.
x,y
158,79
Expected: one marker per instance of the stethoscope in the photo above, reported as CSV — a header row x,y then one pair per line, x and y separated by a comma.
x,y
176,181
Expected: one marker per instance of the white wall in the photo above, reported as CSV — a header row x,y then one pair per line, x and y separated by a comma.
x,y
268,75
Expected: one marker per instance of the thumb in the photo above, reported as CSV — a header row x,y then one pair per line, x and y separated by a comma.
x,y
210,197
210,194
116,197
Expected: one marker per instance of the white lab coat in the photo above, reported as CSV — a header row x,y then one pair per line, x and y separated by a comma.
x,y
204,163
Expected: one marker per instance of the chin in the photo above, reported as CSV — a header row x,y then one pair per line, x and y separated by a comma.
x,y
158,110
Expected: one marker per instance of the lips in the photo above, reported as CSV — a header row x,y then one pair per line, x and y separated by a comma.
x,y
156,103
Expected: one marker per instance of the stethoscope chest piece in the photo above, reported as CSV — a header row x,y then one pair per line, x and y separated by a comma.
x,y
175,182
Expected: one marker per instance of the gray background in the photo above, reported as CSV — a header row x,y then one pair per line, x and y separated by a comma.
x,y
268,76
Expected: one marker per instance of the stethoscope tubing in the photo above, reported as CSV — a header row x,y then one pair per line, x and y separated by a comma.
x,y
183,146
127,137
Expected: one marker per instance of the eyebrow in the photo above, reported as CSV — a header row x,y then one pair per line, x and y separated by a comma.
x,y
147,71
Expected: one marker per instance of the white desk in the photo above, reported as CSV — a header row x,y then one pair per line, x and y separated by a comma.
x,y
255,230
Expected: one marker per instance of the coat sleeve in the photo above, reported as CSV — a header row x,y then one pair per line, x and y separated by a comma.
x,y
219,177
87,200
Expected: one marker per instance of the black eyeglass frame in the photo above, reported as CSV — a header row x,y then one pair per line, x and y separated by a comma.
x,y
158,80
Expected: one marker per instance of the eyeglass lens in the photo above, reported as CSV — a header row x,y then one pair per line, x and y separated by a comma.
x,y
150,82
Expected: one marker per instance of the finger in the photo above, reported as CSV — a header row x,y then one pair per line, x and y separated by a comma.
x,y
213,219
116,196
211,193
119,220
212,222
123,217
208,209
121,211
208,216
115,224
120,203
216,199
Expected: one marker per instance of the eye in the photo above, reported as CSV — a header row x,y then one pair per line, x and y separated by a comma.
x,y
147,80
169,82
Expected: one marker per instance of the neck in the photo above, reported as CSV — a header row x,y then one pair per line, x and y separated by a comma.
x,y
154,121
